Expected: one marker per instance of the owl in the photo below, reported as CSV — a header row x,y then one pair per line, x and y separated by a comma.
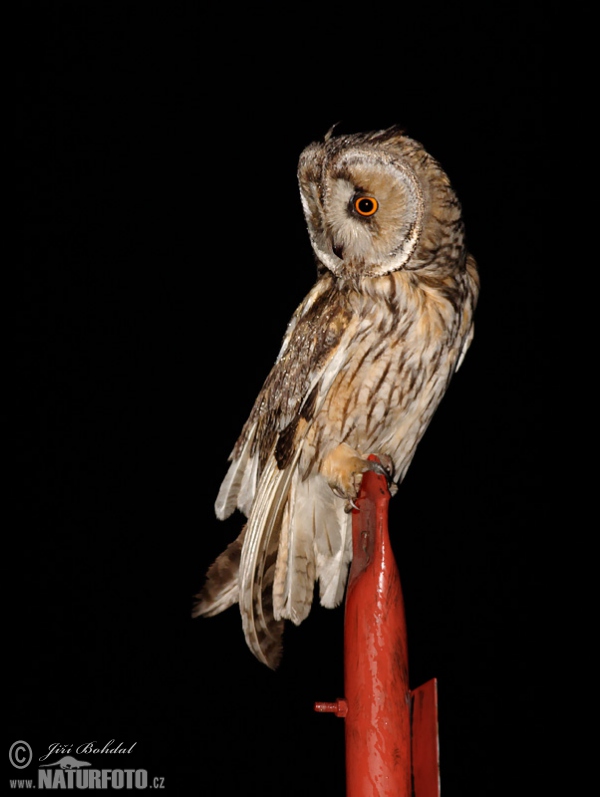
x,y
364,363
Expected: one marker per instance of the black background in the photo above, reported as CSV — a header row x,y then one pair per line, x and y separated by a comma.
x,y
163,251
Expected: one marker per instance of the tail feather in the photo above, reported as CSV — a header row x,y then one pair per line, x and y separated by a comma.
x,y
221,589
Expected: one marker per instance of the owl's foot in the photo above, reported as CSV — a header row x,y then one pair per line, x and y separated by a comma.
x,y
344,467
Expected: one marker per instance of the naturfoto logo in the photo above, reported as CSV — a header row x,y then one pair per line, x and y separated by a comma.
x,y
70,770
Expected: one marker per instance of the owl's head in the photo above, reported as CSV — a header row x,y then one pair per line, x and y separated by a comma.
x,y
374,203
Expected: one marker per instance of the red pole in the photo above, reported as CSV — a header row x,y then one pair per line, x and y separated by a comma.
x,y
391,732
375,656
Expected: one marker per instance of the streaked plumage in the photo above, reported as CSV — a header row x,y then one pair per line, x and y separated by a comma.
x,y
365,361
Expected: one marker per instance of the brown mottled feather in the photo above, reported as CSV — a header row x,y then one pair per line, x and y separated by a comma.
x,y
220,589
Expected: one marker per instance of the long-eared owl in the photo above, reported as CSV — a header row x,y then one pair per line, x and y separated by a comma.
x,y
364,363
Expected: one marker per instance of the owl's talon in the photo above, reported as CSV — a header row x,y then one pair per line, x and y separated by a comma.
x,y
377,467
385,467
386,462
337,491
350,505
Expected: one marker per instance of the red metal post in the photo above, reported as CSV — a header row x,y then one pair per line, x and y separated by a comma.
x,y
375,656
391,732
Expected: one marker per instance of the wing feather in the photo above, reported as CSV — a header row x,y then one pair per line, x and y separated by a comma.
x,y
237,484
257,565
293,588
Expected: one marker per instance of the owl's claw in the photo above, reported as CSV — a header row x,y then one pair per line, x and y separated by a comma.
x,y
347,496
349,506
377,467
385,467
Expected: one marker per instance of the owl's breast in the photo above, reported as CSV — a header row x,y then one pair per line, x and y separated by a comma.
x,y
397,365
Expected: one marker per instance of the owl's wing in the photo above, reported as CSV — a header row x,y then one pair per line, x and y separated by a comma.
x,y
307,363
297,530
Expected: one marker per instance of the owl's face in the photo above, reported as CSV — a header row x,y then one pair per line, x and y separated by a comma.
x,y
363,203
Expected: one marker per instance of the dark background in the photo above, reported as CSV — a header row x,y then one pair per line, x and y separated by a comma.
x,y
162,250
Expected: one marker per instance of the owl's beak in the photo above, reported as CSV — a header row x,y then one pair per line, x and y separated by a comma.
x,y
338,251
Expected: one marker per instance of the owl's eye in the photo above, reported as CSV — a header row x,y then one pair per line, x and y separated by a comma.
x,y
365,205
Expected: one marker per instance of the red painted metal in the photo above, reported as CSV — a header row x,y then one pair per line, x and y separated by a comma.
x,y
378,748
425,749
391,732
339,708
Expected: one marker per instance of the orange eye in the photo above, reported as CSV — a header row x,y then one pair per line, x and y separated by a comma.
x,y
365,205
